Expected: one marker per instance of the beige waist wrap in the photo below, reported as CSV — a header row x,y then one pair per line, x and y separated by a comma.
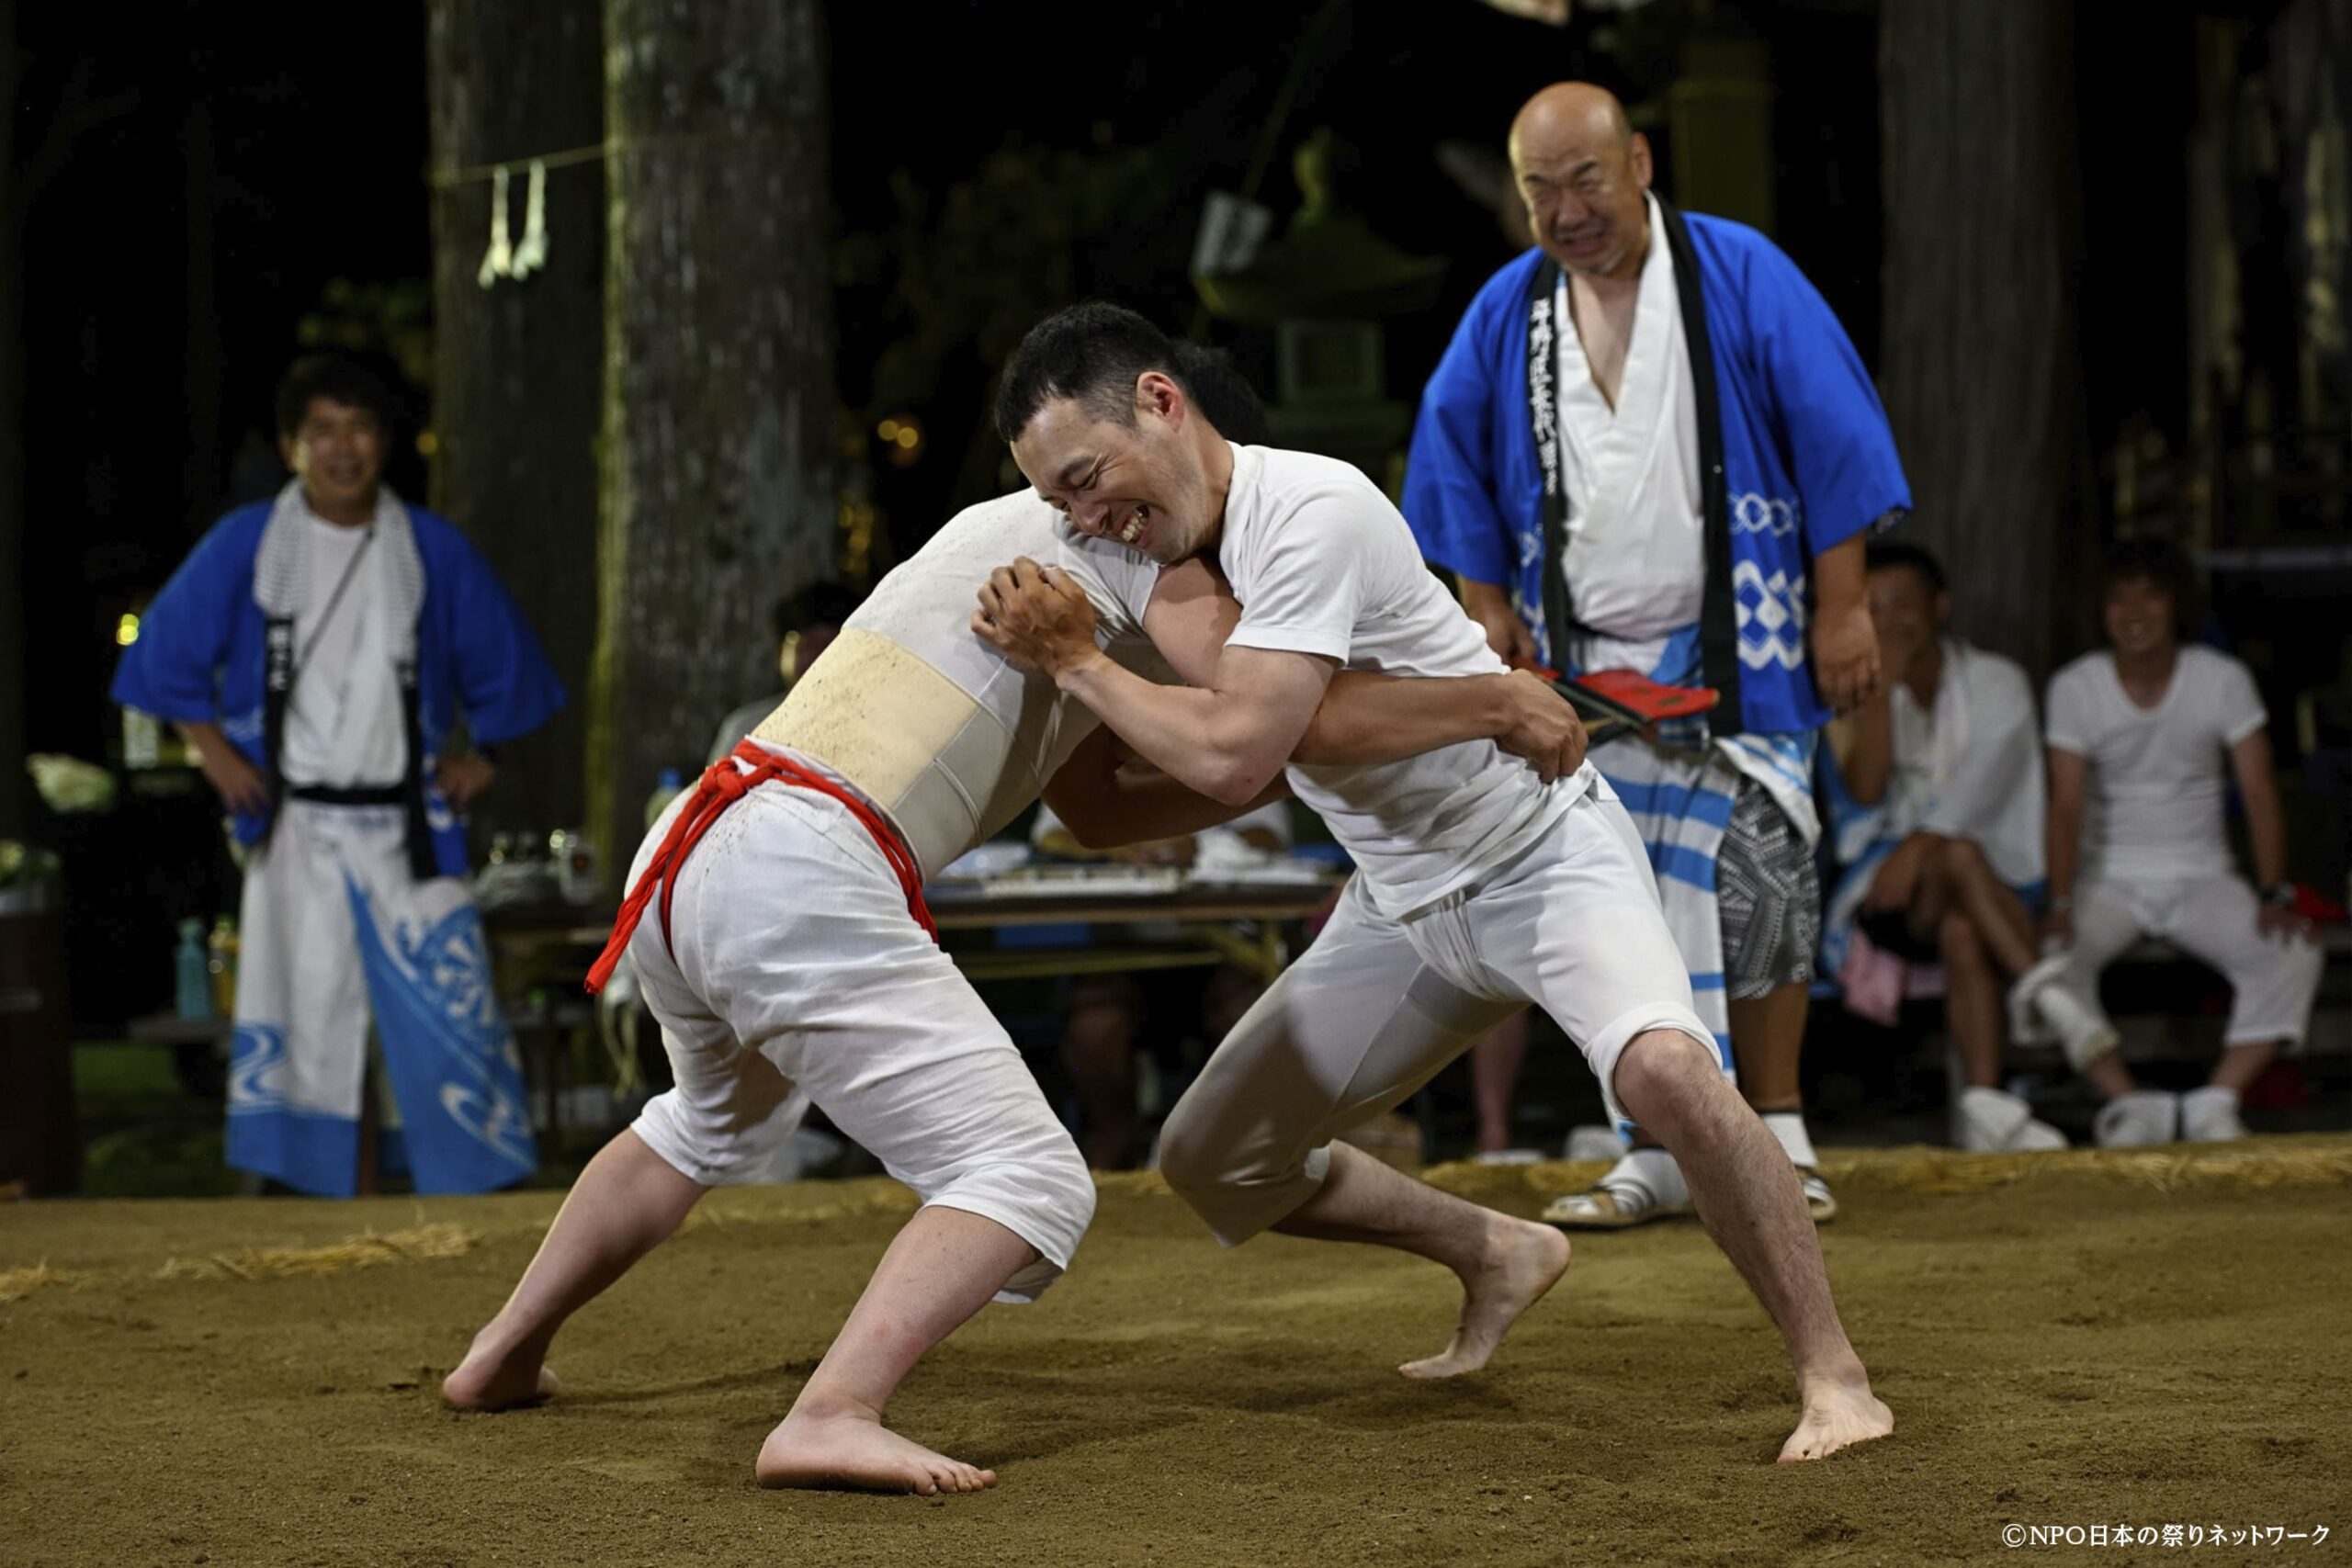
x,y
947,769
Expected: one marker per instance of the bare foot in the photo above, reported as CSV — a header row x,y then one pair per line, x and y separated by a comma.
x,y
1522,1262
493,1380
1838,1413
852,1449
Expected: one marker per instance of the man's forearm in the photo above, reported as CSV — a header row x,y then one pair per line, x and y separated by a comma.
x,y
2065,848
1140,805
1841,575
1105,803
206,738
1871,761
1191,734
1478,598
2266,829
1368,718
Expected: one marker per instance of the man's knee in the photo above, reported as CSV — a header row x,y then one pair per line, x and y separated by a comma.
x,y
1662,1072
1188,1162
1961,949
1963,858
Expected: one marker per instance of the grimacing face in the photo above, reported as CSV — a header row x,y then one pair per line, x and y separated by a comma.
x,y
338,453
2138,613
1140,485
1587,197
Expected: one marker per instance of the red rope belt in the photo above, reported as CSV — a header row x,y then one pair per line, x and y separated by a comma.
x,y
721,786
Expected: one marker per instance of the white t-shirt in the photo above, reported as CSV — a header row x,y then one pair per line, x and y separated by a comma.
x,y
1637,556
2154,798
1971,766
1322,564
979,764
319,747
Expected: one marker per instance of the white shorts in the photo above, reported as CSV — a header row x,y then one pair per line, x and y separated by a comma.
x,y
2273,980
1377,1006
800,975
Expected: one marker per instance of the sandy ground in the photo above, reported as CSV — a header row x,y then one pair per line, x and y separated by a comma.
x,y
2154,1340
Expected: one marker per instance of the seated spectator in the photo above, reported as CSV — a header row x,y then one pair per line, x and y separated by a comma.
x,y
2137,733
1939,823
806,625
1113,1018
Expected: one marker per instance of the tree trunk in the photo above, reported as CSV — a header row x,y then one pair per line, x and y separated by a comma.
x,y
515,365
1980,327
13,782
719,376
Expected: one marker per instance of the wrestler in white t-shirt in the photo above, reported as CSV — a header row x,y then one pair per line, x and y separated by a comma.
x,y
1477,891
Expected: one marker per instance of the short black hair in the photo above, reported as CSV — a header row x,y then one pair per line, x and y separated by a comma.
x,y
2155,561
337,378
1886,555
1095,353
2144,560
818,605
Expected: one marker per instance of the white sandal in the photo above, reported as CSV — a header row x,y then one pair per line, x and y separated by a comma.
x,y
1643,1186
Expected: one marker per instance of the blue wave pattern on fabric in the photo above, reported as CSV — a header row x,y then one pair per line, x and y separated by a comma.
x,y
451,1058
312,1151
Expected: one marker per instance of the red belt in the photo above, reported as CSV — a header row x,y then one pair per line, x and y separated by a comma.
x,y
721,786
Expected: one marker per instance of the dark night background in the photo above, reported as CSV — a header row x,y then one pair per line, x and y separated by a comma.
x,y
244,162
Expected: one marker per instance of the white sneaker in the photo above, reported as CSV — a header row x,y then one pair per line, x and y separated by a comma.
x,y
2210,1115
2137,1119
1992,1121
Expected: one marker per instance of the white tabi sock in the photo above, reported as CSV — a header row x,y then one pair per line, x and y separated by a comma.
x,y
1651,1172
1788,1127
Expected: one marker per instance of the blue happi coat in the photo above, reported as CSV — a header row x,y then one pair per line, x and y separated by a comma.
x,y
201,657
1796,458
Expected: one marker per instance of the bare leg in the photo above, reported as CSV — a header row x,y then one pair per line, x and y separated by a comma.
x,y
2108,1074
1505,1265
1999,916
625,1204
939,1271
2240,1064
1495,1060
1748,1198
1972,1000
1766,1038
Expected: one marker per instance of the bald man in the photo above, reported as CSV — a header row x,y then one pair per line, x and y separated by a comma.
x,y
1651,447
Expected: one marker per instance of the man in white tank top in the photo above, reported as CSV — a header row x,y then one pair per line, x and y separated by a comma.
x,y
777,930
1479,887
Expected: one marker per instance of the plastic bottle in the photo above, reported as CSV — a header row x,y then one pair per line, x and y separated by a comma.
x,y
222,965
192,986
666,788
